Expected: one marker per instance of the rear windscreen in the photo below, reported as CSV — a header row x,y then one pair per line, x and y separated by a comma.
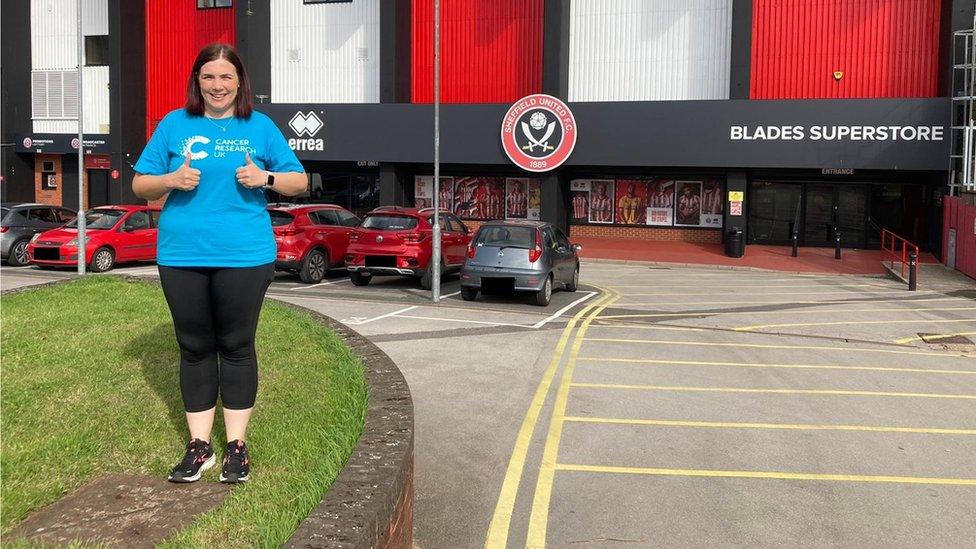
x,y
511,237
389,222
279,218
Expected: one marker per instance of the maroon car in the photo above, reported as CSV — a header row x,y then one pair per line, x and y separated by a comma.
x,y
311,238
398,241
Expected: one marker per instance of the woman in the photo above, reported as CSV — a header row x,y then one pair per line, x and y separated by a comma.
x,y
216,249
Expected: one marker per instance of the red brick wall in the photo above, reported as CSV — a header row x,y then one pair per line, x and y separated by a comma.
x,y
399,533
671,234
42,195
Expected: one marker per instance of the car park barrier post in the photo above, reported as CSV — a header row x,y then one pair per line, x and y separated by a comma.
x,y
836,244
912,271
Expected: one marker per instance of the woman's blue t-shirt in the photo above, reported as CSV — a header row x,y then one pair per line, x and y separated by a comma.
x,y
220,223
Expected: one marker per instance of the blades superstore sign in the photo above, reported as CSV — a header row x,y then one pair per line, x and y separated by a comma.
x,y
538,133
306,126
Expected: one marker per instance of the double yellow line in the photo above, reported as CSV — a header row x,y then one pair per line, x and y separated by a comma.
x,y
502,518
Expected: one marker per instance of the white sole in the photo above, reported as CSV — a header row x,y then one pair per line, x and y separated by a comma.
x,y
239,479
206,465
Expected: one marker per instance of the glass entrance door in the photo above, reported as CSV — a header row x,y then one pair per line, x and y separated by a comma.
x,y
835,207
772,211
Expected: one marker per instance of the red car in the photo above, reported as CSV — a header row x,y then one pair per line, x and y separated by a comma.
x,y
114,234
311,238
398,241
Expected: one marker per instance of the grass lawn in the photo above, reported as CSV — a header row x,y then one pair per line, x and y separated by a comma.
x,y
90,386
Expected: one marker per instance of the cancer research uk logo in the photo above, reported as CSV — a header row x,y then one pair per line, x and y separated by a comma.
x,y
307,125
538,133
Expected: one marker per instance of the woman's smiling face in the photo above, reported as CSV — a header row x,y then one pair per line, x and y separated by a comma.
x,y
218,85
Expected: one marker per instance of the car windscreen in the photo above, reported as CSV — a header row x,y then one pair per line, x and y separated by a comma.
x,y
389,222
507,237
99,219
279,218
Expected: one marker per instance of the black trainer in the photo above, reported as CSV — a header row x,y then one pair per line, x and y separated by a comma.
x,y
198,458
237,467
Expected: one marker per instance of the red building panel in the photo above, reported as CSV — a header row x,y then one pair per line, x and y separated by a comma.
x,y
885,48
175,32
491,50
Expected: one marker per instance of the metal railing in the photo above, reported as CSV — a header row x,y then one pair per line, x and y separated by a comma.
x,y
895,248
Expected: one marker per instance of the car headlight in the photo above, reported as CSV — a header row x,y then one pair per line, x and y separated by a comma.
x,y
73,243
35,237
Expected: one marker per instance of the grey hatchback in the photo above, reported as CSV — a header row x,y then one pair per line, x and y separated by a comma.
x,y
21,221
519,256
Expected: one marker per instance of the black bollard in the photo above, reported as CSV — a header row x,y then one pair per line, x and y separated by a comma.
x,y
836,244
795,239
912,271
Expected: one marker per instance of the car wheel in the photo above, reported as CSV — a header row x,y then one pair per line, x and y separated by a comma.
x,y
543,296
18,254
574,284
427,281
468,293
314,267
359,279
103,260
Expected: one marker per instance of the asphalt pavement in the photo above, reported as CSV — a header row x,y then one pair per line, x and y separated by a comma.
x,y
679,406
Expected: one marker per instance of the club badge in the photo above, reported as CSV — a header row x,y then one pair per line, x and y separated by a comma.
x,y
538,133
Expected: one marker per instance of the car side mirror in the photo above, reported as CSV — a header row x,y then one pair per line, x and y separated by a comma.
x,y
577,248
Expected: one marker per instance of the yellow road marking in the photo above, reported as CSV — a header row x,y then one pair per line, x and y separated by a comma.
x,y
539,517
768,391
763,365
903,341
776,475
790,312
839,323
768,346
502,517
787,426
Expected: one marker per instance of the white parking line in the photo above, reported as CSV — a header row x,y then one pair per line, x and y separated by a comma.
x,y
310,286
358,322
559,313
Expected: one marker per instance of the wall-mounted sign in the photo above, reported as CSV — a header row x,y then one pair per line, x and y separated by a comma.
x,y
837,171
538,133
59,143
98,162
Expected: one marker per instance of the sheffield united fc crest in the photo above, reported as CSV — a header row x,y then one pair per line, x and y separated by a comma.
x,y
538,133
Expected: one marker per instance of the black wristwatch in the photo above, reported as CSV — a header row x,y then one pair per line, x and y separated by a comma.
x,y
270,182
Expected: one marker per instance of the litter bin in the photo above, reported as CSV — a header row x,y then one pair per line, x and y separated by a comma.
x,y
734,244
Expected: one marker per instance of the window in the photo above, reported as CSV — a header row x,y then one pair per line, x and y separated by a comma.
x,y
54,94
207,4
44,215
154,214
346,219
47,165
65,215
96,51
324,217
137,221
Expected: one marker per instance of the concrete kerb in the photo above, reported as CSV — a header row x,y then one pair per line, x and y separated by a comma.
x,y
370,504
719,267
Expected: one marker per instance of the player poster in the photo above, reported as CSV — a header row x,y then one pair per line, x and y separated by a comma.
x,y
712,204
579,190
688,211
516,198
660,202
534,212
479,197
631,197
601,201
423,192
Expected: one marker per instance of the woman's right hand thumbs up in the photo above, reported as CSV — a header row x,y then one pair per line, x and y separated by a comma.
x,y
185,178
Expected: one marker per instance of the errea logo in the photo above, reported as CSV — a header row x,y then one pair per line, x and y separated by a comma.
x,y
307,125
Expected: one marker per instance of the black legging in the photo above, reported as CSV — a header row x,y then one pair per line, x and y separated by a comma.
x,y
215,312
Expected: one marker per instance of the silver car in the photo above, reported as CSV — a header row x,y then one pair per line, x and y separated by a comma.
x,y
520,256
19,222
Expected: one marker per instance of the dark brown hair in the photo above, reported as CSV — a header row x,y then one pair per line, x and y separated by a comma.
x,y
194,98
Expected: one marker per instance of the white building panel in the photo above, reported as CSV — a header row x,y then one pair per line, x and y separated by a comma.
x,y
649,50
54,47
325,53
94,17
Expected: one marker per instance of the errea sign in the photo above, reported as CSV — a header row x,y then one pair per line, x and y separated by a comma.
x,y
306,124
